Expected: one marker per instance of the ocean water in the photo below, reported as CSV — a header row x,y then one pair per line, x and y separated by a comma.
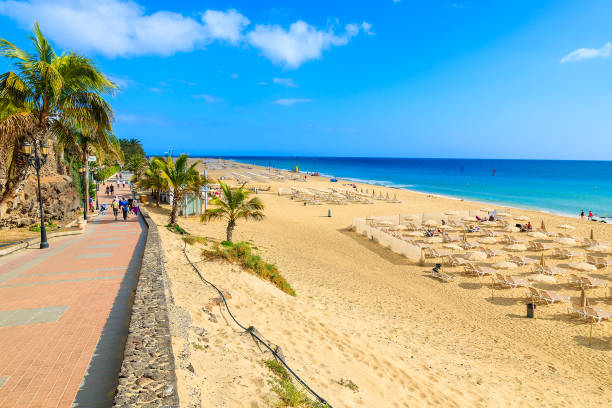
x,y
564,187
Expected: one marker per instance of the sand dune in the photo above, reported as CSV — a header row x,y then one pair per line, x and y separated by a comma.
x,y
366,314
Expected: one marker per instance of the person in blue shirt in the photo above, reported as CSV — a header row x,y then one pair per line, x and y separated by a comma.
x,y
124,208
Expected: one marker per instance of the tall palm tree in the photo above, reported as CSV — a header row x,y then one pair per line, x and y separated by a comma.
x,y
181,179
233,206
151,178
47,95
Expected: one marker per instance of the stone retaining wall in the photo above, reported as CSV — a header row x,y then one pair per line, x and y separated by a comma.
x,y
147,377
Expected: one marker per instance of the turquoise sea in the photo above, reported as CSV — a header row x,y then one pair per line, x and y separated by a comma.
x,y
564,187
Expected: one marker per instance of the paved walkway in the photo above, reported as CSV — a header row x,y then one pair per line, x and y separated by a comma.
x,y
63,314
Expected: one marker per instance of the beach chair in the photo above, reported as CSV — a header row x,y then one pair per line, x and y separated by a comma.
x,y
521,260
574,280
549,270
563,253
597,314
518,281
534,294
493,252
551,297
588,282
577,310
438,274
467,245
452,260
483,271
598,262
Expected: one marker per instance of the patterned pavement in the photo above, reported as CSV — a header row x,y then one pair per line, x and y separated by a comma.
x,y
63,313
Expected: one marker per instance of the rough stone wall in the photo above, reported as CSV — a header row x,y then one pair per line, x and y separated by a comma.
x,y
60,202
147,378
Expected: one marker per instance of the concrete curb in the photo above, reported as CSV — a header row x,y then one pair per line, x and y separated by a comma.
x,y
30,241
147,377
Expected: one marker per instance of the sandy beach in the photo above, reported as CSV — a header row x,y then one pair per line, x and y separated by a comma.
x,y
365,314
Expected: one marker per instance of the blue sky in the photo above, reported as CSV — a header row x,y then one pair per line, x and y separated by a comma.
x,y
408,78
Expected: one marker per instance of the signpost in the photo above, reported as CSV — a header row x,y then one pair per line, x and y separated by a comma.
x,y
92,159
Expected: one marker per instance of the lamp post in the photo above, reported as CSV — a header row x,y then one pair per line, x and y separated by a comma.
x,y
37,162
95,173
82,171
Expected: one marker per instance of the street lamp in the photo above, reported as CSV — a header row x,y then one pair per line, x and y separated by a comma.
x,y
82,171
95,172
37,162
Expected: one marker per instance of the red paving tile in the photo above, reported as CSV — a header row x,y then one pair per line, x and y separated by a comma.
x,y
45,362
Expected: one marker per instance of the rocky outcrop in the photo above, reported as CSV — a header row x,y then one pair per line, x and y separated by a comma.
x,y
60,202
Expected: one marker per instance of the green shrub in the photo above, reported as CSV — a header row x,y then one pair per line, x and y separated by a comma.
x,y
242,253
176,229
289,395
192,239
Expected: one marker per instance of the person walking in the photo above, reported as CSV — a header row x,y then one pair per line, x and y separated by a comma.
x,y
90,204
582,215
124,209
107,190
591,215
135,208
115,205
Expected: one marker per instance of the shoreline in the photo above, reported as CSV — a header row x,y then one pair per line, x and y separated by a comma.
x,y
602,219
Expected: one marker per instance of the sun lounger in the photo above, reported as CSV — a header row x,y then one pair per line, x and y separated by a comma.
x,y
491,252
551,297
518,281
467,245
450,238
509,281
597,314
483,270
574,279
534,294
577,310
452,260
444,277
588,282
521,260
563,253
549,270
599,262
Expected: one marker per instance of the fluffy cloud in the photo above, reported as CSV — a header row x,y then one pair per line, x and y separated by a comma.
x,y
288,82
123,28
587,53
227,25
290,101
300,43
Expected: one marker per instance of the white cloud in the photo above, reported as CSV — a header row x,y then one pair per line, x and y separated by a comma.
x,y
588,53
208,98
288,82
290,101
302,42
227,25
123,28
234,76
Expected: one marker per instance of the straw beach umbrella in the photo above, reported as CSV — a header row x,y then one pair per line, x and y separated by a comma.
x,y
542,226
537,235
592,236
540,277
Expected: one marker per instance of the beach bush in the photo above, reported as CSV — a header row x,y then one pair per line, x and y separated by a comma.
x,y
242,253
289,395
176,229
193,239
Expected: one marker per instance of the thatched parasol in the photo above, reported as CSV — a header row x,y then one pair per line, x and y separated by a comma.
x,y
592,236
504,265
542,226
542,261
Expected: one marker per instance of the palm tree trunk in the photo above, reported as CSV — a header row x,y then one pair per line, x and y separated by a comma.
x,y
174,210
230,230
86,184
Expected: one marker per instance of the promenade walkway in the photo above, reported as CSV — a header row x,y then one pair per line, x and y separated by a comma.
x,y
64,314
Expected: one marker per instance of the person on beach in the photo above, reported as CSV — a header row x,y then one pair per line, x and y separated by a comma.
x,y
115,205
529,226
591,215
582,215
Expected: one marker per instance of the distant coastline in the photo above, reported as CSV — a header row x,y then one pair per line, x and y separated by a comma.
x,y
557,187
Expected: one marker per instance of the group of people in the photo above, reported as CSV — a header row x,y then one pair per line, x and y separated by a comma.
x,y
129,206
590,216
110,190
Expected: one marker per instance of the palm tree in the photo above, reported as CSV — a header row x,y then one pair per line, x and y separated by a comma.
x,y
181,179
151,178
233,206
47,95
